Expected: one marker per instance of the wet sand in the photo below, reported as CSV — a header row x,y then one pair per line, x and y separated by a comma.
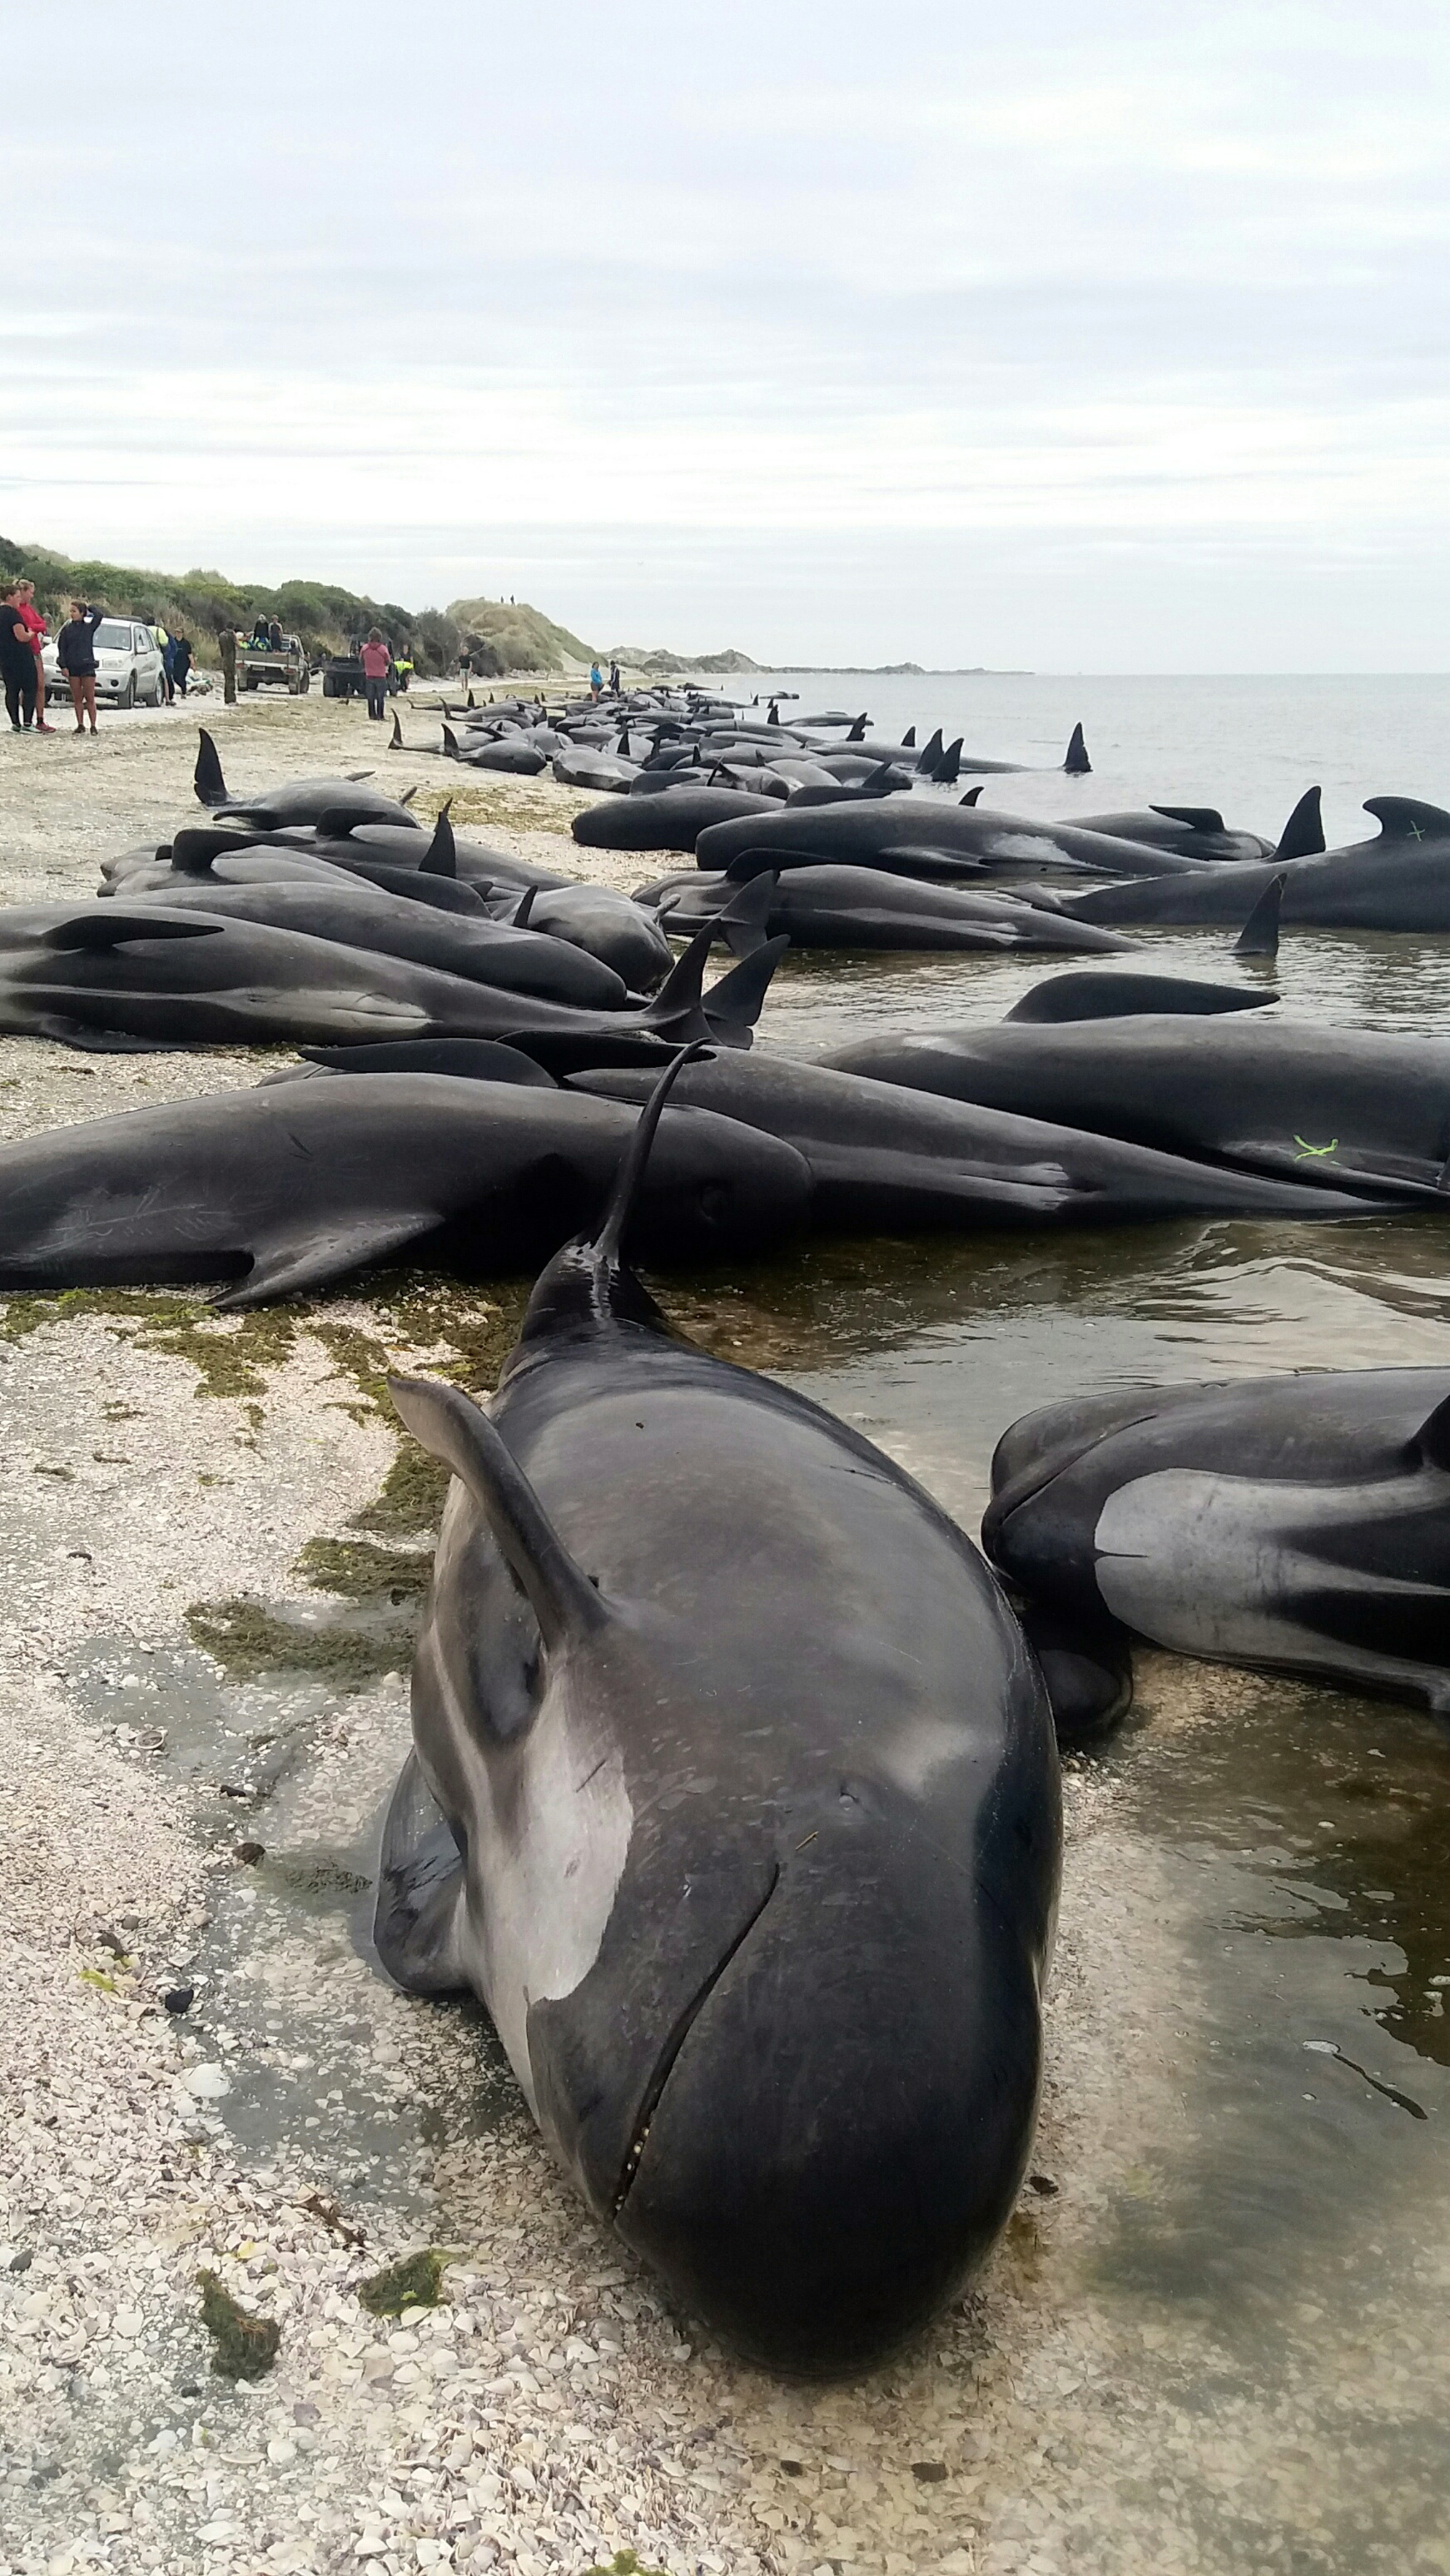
x,y
180,1809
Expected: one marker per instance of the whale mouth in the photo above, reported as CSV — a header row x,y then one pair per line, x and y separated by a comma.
x,y
679,2032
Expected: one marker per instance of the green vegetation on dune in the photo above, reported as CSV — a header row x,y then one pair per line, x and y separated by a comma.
x,y
515,637
500,635
199,604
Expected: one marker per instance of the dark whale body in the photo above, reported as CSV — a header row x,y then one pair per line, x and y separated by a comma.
x,y
1398,881
1360,1109
863,832
297,1184
735,1798
354,914
885,1159
1109,995
1300,1521
114,975
866,908
672,820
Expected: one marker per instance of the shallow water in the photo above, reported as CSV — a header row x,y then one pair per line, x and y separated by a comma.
x,y
1302,1831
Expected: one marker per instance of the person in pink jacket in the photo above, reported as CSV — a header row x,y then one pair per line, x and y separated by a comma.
x,y
377,662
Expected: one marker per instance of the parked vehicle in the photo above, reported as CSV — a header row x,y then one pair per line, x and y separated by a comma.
x,y
342,676
283,666
128,666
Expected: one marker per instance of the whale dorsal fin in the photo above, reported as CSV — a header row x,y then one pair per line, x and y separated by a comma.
x,y
1199,818
450,742
1404,818
207,780
407,796
973,793
908,739
1432,1441
948,768
1303,834
397,742
451,1427
524,907
929,755
1077,763
196,847
440,859
338,823
1259,936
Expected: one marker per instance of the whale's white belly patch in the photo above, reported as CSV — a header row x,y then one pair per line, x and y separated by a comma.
x,y
546,1876
1211,1564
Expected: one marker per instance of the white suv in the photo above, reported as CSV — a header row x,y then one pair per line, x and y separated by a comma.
x,y
128,666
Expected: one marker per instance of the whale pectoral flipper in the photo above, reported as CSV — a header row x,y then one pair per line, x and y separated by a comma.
x,y
563,1600
421,1891
99,931
288,1265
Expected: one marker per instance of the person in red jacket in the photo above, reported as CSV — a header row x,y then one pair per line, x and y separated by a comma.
x,y
37,630
376,661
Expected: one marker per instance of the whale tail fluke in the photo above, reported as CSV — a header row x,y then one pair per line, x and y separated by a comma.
x,y
440,859
681,1013
733,1006
207,780
1077,763
1303,834
1259,936
743,919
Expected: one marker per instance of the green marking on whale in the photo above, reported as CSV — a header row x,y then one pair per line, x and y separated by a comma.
x,y
1306,1151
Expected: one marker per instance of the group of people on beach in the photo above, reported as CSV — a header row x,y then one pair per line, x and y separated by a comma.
x,y
23,633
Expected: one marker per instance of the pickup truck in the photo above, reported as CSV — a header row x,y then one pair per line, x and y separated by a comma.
x,y
275,667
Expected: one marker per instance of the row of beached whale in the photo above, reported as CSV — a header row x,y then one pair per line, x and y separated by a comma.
x,y
751,1850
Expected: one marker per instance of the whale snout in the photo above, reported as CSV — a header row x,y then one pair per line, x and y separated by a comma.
x,y
844,2127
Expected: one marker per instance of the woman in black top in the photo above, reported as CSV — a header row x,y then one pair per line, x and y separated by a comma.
x,y
18,665
75,651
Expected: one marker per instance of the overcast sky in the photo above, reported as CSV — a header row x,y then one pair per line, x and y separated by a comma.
x,y
1099,335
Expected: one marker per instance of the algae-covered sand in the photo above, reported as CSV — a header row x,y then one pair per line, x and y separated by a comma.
x,y
215,1547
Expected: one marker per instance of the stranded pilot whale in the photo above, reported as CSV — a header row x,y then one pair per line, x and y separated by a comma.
x,y
734,1795
1294,1521
301,800
297,1184
116,976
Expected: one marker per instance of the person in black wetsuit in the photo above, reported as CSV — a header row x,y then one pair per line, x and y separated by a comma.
x,y
180,662
18,664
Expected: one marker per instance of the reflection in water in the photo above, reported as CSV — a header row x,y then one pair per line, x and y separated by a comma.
x,y
1305,1832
